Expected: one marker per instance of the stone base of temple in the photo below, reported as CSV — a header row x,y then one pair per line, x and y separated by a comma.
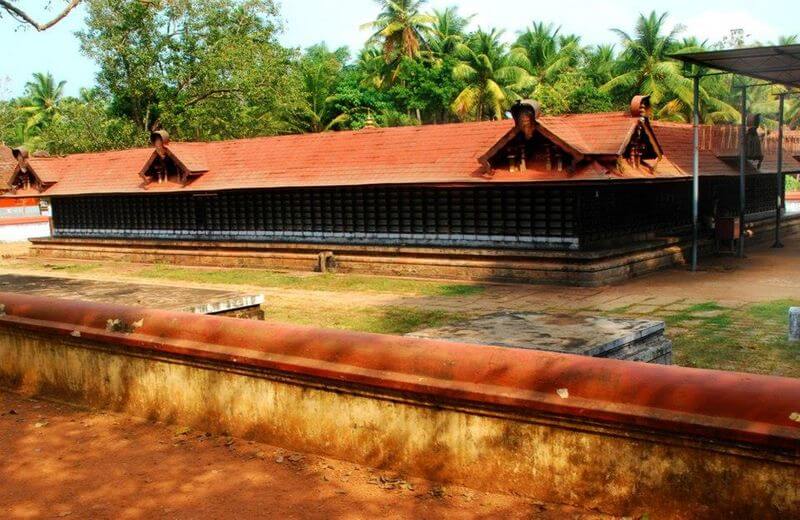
x,y
573,268
583,268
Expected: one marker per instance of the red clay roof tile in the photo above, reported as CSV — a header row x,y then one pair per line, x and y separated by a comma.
x,y
593,134
677,141
434,154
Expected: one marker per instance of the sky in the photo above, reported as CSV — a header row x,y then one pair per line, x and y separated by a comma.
x,y
338,24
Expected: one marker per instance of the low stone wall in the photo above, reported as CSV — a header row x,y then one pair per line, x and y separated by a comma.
x,y
625,438
582,268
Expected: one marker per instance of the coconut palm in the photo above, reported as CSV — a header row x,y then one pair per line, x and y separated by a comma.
x,y
320,69
645,68
400,30
375,70
600,63
44,97
546,53
447,31
791,39
493,76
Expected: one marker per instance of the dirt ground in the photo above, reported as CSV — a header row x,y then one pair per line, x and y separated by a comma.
x,y
57,461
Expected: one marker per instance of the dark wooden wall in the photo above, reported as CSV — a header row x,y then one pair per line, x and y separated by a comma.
x,y
615,215
521,217
720,195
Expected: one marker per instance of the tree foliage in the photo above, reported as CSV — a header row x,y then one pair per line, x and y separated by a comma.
x,y
207,69
491,74
214,69
320,71
84,126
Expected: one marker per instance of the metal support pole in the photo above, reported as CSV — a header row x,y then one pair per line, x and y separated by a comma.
x,y
695,171
781,182
742,171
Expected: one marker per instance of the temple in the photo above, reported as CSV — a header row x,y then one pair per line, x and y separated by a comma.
x,y
21,218
581,199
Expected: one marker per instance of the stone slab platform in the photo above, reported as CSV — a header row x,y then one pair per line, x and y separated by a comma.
x,y
629,339
581,268
173,298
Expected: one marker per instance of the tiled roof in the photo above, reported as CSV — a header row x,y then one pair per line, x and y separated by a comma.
x,y
676,140
593,134
424,154
433,154
46,170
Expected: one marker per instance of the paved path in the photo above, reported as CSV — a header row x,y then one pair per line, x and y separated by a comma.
x,y
765,275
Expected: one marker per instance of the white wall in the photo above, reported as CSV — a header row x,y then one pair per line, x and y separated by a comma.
x,y
22,232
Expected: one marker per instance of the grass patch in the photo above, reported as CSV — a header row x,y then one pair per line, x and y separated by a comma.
x,y
72,268
776,312
751,339
319,282
381,320
705,307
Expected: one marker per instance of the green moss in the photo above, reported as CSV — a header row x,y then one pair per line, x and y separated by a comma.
x,y
320,282
72,268
705,307
621,310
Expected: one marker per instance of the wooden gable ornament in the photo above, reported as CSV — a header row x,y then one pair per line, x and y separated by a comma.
x,y
528,142
25,178
176,164
642,144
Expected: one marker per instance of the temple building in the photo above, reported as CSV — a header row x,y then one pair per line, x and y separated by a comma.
x,y
584,199
20,218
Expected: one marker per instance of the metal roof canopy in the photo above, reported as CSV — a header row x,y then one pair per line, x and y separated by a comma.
x,y
776,64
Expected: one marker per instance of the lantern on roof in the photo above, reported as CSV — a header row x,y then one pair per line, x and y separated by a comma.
x,y
641,107
21,155
160,140
525,113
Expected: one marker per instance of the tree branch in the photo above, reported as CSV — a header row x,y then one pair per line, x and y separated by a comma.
x,y
24,17
209,94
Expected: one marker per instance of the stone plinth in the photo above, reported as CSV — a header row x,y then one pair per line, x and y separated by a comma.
x,y
616,338
173,298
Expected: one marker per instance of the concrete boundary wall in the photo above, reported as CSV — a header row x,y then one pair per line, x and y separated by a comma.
x,y
624,438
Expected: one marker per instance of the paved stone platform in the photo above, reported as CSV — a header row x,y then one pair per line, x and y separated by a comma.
x,y
616,338
174,298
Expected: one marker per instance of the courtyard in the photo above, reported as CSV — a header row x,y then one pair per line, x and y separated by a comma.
x,y
399,259
731,315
